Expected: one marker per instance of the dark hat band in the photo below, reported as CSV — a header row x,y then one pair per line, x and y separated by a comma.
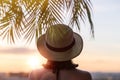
x,y
61,49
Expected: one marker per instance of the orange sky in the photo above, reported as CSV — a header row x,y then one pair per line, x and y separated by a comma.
x,y
87,60
96,56
19,62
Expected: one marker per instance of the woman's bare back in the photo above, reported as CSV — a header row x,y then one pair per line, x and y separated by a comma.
x,y
47,74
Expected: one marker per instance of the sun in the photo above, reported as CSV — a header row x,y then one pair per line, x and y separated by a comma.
x,y
34,62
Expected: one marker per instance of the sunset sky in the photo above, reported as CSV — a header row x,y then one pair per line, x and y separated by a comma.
x,y
99,54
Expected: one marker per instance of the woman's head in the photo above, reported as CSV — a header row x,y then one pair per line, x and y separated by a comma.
x,y
60,43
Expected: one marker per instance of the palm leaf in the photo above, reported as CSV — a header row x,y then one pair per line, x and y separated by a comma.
x,y
12,19
29,19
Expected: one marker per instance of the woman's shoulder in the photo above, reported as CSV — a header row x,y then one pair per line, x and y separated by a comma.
x,y
37,71
81,71
76,74
41,74
35,74
85,74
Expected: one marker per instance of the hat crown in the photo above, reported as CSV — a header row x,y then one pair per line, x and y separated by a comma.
x,y
59,36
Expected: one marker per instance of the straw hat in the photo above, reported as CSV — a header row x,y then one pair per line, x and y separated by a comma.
x,y
60,43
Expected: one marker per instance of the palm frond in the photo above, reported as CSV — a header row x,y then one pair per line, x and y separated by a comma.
x,y
81,9
30,18
12,19
43,16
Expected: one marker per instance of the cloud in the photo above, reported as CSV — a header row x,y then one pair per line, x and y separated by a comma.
x,y
17,50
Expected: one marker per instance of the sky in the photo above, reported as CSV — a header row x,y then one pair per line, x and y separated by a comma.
x,y
100,54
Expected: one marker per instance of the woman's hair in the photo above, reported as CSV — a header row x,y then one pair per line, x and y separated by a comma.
x,y
60,65
56,66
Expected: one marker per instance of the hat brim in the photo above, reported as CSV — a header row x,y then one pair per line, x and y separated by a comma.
x,y
60,56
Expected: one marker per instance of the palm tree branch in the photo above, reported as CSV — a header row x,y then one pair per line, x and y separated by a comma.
x,y
29,18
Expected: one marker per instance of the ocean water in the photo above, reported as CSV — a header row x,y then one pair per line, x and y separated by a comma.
x,y
105,76
95,76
